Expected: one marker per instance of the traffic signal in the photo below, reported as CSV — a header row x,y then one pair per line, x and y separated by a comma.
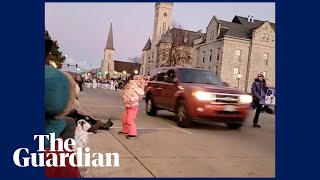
x,y
76,65
68,65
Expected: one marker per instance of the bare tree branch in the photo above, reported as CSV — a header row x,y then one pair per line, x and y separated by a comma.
x,y
175,52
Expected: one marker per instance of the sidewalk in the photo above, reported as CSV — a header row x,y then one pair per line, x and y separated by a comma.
x,y
105,142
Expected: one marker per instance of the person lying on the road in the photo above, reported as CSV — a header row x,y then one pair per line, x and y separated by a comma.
x,y
95,124
79,113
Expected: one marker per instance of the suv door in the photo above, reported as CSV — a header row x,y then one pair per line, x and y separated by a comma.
x,y
158,88
170,89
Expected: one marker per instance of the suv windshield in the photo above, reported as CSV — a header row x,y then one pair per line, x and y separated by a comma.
x,y
198,76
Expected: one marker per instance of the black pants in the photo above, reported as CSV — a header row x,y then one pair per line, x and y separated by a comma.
x,y
258,110
80,86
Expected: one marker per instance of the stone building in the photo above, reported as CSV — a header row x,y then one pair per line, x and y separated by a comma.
x,y
238,50
165,35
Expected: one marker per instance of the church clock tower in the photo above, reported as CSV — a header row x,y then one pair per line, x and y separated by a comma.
x,y
162,20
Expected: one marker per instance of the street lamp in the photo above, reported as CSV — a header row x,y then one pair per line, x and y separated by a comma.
x,y
239,77
136,72
115,72
124,72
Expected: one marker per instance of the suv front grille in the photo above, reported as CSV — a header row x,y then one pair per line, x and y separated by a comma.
x,y
226,98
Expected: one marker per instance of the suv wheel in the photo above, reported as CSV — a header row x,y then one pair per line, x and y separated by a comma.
x,y
151,110
234,125
182,118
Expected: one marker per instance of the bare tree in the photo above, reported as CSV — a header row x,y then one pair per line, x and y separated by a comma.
x,y
135,59
175,51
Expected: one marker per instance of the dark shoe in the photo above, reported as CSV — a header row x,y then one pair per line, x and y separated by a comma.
x,y
94,128
122,133
256,126
107,125
131,137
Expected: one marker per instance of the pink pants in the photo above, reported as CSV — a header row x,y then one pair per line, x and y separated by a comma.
x,y
128,118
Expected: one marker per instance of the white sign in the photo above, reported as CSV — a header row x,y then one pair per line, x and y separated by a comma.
x,y
270,97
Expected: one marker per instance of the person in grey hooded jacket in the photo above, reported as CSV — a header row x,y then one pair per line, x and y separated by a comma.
x,y
257,90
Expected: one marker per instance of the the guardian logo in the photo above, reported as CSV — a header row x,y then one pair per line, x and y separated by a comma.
x,y
59,152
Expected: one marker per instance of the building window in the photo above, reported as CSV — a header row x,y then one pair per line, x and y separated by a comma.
x,y
209,68
210,54
265,58
109,56
149,60
216,70
203,56
238,55
236,71
218,57
164,27
265,37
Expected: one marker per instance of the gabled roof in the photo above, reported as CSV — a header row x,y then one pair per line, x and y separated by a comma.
x,y
234,29
240,27
109,44
147,46
129,67
213,18
179,36
252,25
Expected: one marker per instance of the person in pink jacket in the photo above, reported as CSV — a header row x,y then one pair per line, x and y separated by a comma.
x,y
133,93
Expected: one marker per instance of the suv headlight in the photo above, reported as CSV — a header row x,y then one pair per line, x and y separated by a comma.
x,y
245,99
204,96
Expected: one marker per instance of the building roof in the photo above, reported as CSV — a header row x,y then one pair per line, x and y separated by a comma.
x,y
235,30
129,67
147,46
240,27
251,25
109,44
180,36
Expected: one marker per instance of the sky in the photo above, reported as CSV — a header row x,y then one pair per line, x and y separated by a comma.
x,y
81,29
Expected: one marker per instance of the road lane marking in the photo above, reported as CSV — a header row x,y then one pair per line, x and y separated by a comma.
x,y
181,129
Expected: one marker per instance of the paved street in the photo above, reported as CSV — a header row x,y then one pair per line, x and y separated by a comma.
x,y
162,149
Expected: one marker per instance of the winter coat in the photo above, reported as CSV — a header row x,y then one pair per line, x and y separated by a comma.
x,y
257,89
132,94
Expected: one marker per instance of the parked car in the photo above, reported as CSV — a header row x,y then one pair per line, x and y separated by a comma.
x,y
195,94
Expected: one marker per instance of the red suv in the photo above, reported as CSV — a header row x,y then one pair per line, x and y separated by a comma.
x,y
195,94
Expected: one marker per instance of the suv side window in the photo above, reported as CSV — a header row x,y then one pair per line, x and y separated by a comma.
x,y
170,76
161,76
153,78
171,73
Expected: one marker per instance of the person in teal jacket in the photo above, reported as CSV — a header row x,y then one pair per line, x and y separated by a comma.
x,y
60,95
